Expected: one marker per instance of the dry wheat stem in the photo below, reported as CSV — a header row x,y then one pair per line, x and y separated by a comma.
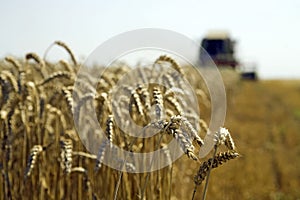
x,y
151,163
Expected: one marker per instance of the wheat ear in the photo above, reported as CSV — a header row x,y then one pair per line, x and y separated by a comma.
x,y
67,66
135,100
110,129
145,97
101,154
38,60
69,98
192,131
8,76
158,102
174,103
68,49
66,155
173,63
14,62
219,159
229,142
34,153
55,75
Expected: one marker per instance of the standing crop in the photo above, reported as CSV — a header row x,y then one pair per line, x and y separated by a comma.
x,y
43,157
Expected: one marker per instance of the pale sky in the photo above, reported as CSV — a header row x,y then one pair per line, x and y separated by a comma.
x,y
267,32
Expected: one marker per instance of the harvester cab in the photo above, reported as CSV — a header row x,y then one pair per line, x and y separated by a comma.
x,y
220,47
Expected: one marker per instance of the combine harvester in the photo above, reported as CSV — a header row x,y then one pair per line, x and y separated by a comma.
x,y
221,48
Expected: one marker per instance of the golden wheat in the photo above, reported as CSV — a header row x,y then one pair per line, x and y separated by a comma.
x,y
43,156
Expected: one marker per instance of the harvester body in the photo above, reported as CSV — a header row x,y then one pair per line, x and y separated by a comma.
x,y
220,47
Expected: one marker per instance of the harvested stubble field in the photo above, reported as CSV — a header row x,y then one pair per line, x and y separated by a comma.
x,y
42,157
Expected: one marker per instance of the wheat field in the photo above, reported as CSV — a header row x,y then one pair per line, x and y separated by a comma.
x,y
43,157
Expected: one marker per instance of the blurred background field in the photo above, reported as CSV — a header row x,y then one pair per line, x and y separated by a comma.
x,y
263,117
